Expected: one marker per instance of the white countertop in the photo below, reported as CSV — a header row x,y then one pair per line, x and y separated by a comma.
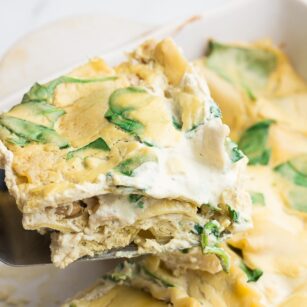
x,y
18,17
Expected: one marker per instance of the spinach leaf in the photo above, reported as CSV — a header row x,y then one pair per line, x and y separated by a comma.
x,y
156,279
30,132
119,115
234,152
248,68
140,204
299,163
37,102
122,273
252,274
133,198
98,144
209,244
294,170
43,113
177,123
234,215
298,198
257,198
11,137
126,271
199,229
253,143
209,229
123,122
138,199
128,166
221,254
215,111
44,92
212,228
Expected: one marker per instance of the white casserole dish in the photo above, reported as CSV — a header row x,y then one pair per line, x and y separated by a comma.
x,y
284,21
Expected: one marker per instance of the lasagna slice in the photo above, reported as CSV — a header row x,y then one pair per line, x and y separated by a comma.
x,y
151,283
136,153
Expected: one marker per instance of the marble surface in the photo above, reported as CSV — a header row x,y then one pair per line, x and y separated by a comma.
x,y
18,17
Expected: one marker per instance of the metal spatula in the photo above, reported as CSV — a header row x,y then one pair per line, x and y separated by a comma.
x,y
20,247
